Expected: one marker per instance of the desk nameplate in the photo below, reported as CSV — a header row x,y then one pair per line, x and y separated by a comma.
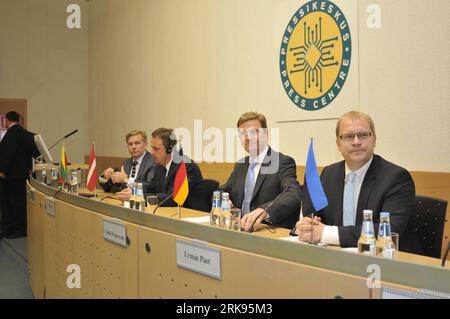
x,y
199,257
115,232
49,205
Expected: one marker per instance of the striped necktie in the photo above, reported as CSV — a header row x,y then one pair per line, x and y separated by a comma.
x,y
133,169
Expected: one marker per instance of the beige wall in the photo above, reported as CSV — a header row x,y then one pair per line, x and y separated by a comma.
x,y
167,63
150,63
44,62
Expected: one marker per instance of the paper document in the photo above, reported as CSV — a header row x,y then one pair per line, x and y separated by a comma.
x,y
197,220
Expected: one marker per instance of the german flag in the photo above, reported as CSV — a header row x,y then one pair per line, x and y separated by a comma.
x,y
181,186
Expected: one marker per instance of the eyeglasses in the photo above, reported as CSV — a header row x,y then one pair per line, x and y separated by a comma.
x,y
349,137
250,133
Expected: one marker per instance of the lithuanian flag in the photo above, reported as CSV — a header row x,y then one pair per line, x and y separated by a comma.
x,y
181,186
63,166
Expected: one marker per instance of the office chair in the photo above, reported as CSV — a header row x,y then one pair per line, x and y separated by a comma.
x,y
203,195
429,219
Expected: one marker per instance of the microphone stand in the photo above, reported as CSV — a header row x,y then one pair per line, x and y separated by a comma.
x,y
162,202
265,209
445,255
70,134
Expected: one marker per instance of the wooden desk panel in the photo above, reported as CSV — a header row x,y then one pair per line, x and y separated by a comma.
x,y
244,275
75,236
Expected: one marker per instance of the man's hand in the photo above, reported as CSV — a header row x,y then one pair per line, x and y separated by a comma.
x,y
310,230
124,194
107,173
248,220
119,177
2,175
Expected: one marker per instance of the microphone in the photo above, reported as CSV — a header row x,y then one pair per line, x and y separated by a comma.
x,y
265,209
162,202
70,134
445,255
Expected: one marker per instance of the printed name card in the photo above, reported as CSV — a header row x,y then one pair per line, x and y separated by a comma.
x,y
49,206
199,257
115,232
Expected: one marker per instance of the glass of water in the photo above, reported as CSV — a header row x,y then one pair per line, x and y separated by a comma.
x,y
235,218
152,202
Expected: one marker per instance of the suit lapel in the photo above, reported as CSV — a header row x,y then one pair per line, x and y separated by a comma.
x,y
241,176
339,212
170,176
127,166
267,161
143,167
366,188
259,181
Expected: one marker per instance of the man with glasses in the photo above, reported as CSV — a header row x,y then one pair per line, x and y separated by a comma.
x,y
362,181
264,184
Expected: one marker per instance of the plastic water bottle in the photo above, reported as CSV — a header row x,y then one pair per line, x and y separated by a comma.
x,y
54,178
74,183
140,200
215,210
225,210
44,176
385,246
366,242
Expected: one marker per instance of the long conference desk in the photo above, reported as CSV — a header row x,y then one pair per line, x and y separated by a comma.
x,y
71,255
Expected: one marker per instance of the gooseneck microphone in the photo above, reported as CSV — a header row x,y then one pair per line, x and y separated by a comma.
x,y
265,209
445,255
70,134
162,202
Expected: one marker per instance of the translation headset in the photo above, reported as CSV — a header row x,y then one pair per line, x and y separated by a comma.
x,y
169,142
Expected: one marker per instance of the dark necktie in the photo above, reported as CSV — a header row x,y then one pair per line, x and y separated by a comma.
x,y
133,169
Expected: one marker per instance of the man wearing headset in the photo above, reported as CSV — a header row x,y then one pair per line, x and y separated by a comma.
x,y
168,160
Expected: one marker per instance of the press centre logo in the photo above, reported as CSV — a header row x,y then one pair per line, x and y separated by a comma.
x,y
315,55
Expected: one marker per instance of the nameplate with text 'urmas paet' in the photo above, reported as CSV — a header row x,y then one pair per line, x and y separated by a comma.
x,y
199,257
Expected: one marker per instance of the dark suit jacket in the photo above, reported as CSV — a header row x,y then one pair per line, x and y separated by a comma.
x,y
163,187
16,151
386,188
144,175
276,176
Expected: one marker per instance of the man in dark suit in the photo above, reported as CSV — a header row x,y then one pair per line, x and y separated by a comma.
x,y
362,181
17,149
264,184
138,168
168,160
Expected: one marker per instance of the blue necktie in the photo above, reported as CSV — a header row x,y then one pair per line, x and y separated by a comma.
x,y
349,200
248,190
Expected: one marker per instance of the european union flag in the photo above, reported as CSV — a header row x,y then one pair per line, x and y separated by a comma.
x,y
315,188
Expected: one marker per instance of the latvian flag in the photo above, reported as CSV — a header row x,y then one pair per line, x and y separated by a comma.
x,y
92,177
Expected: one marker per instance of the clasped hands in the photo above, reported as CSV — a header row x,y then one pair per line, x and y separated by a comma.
x,y
116,177
310,230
